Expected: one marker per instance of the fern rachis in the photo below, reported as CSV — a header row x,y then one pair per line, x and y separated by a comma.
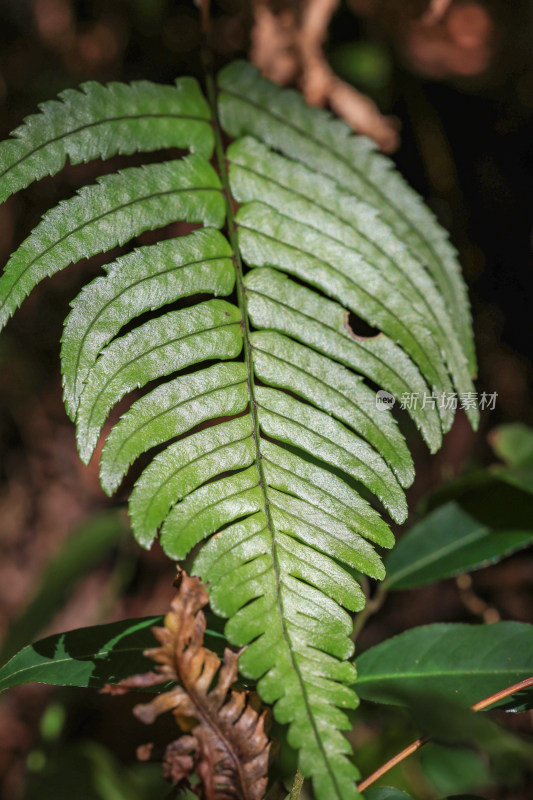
x,y
269,363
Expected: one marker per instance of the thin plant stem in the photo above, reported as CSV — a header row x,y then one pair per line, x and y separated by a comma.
x,y
205,17
407,751
418,743
372,607
297,786
493,698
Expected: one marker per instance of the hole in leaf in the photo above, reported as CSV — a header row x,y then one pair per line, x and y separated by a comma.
x,y
359,328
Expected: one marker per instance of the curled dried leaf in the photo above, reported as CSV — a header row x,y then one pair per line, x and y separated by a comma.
x,y
224,743
288,47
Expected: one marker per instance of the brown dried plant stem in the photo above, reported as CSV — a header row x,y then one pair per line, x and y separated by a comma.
x,y
205,17
418,743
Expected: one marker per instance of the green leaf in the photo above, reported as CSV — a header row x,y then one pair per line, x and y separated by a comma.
x,y
513,444
88,657
465,662
449,541
386,793
85,546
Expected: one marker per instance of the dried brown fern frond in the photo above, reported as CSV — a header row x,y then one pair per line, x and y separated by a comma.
x,y
224,741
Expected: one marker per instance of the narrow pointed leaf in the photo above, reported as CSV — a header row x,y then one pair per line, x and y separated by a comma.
x,y
465,662
450,541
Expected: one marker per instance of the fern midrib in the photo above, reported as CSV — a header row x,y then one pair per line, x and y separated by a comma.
x,y
242,302
106,121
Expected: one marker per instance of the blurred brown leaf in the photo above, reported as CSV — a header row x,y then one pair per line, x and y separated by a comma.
x,y
288,47
435,11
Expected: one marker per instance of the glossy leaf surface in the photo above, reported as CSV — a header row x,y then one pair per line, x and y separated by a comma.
x,y
465,662
89,657
449,541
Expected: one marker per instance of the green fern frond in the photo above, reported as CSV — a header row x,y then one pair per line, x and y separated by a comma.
x,y
397,281
272,455
183,467
275,302
281,361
